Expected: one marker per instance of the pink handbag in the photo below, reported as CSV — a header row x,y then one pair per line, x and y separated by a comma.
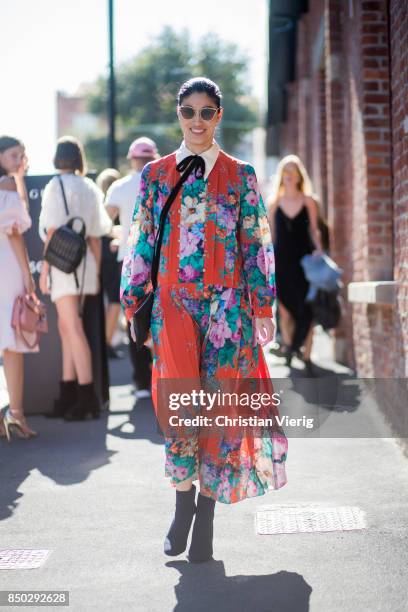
x,y
29,315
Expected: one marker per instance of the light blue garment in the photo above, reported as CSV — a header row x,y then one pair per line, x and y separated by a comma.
x,y
322,273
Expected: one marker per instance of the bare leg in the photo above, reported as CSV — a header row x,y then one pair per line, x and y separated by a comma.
x,y
68,366
14,373
286,324
72,332
308,343
112,316
185,485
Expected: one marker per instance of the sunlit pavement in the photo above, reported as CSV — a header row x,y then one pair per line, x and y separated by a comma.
x,y
95,495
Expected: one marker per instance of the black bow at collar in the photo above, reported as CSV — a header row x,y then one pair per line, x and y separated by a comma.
x,y
195,163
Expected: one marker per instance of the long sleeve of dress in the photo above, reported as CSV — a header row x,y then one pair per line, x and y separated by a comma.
x,y
136,270
256,246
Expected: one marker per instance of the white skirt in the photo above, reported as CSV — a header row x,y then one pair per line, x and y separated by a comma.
x,y
62,284
12,285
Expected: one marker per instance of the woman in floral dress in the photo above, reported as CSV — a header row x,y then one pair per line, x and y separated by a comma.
x,y
212,309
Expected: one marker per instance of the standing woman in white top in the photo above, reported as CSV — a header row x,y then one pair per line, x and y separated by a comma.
x,y
16,278
84,200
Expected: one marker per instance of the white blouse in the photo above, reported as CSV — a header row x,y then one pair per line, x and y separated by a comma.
x,y
84,200
13,217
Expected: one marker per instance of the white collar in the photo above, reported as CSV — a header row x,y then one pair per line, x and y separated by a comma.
x,y
209,156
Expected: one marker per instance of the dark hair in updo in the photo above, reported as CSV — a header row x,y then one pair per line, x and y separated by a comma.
x,y
200,85
7,142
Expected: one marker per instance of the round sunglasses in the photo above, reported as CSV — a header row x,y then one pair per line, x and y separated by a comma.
x,y
206,114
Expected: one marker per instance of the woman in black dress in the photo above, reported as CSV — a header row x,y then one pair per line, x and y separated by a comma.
x,y
293,217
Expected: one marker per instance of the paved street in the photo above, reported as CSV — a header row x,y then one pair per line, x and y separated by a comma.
x,y
94,494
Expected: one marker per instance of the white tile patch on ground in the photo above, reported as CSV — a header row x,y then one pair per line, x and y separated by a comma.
x,y
22,559
301,518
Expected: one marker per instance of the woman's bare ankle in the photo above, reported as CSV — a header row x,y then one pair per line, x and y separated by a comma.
x,y
184,486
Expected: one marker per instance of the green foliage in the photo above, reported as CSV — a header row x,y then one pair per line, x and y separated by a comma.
x,y
148,84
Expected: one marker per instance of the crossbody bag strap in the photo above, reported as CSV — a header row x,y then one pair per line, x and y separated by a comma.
x,y
193,163
80,287
63,195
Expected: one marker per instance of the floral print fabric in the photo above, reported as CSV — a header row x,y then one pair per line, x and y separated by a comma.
x,y
216,273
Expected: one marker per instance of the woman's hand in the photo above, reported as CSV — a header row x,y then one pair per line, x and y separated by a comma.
x,y
21,170
114,245
116,232
264,330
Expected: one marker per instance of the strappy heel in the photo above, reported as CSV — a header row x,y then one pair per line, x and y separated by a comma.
x,y
10,422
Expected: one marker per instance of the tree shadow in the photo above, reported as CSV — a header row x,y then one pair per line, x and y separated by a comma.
x,y
206,587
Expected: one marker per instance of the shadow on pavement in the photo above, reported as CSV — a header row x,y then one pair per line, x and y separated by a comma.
x,y
68,452
329,390
206,587
143,419
65,452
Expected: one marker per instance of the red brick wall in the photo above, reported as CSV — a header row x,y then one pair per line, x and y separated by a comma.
x,y
339,201
357,154
368,130
399,91
377,134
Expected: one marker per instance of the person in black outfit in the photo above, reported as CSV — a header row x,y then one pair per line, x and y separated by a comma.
x,y
293,217
111,269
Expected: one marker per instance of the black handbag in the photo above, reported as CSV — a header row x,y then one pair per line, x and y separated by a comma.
x,y
327,308
142,316
67,246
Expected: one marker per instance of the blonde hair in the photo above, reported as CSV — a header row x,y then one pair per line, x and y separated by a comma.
x,y
305,184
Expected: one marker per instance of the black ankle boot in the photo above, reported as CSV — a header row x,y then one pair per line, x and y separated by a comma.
x,y
87,403
176,539
66,400
201,548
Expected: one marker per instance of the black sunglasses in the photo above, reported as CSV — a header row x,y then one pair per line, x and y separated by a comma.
x,y
207,113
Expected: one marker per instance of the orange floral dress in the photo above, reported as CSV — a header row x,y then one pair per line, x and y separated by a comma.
x,y
216,274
